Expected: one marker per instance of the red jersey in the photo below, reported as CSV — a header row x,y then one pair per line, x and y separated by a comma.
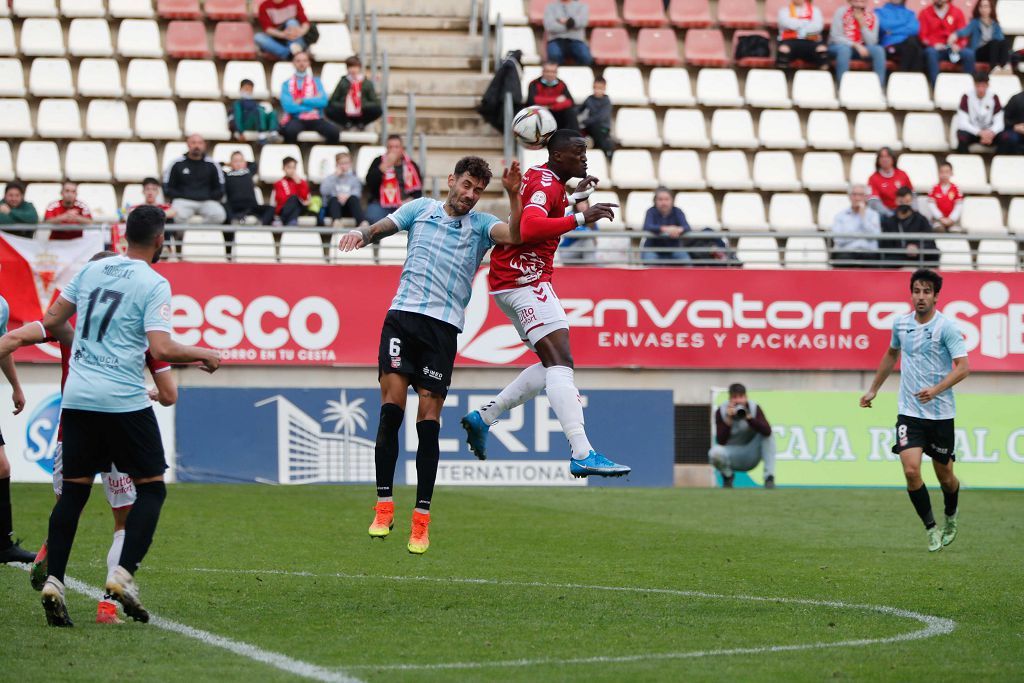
x,y
945,200
57,209
884,187
275,14
514,266
285,188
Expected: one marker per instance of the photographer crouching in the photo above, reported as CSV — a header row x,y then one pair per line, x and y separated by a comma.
x,y
743,438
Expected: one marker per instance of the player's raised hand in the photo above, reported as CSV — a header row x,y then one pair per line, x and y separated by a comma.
x,y
18,397
512,177
585,187
350,240
866,399
599,211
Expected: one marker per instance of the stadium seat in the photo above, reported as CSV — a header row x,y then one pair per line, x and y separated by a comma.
x,y
814,90
823,172
636,127
909,92
700,210
15,120
234,40
780,129
611,46
1015,216
90,38
209,119
107,120
40,194
921,169
766,89
134,161
874,130
222,151
790,211
616,223
690,14
196,79
954,253
226,10
8,48
670,87
301,247
157,119
364,157
131,194
324,10
718,88
733,128
236,71
1004,86
82,8
625,86
762,62
280,73
775,172
101,200
321,161
203,246
520,38
1011,16
580,80
187,40
950,88
636,207
728,170
969,173
738,14
829,207
861,90
12,78
686,128
148,78
602,12
6,163
270,162
131,9
253,246
58,118
42,38
633,169
335,44
178,9
50,78
680,169
982,215
704,47
862,165
357,257
657,47
641,13
511,12
924,132
808,253
828,129
330,75
141,38
100,78
394,249
86,161
758,252
34,8
997,255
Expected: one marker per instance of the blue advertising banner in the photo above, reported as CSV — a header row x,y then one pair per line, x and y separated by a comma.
x,y
306,436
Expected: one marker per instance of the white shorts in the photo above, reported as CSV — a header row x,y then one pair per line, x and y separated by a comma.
x,y
534,310
119,487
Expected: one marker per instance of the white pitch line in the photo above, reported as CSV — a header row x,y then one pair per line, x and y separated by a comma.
x,y
932,625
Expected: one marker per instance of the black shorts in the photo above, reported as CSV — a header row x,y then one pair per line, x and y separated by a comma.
x,y
94,440
2,442
936,437
420,347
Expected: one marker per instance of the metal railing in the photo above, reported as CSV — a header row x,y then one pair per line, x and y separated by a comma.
x,y
485,28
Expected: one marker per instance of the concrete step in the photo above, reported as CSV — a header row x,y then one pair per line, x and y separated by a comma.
x,y
402,81
416,41
420,8
463,142
402,22
431,122
440,162
434,62
463,102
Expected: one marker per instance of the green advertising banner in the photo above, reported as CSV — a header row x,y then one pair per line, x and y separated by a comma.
x,y
827,439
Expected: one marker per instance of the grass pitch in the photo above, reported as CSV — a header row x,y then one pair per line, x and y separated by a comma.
x,y
291,570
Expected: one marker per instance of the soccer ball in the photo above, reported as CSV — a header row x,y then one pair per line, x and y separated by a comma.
x,y
533,126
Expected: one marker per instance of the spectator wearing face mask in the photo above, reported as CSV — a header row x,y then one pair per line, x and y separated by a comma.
x,y
551,92
303,100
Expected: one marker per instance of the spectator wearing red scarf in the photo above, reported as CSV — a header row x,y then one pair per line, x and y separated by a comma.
x,y
303,99
354,102
854,34
392,180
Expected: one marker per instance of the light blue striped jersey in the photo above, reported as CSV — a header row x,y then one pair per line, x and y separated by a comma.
x,y
928,351
5,314
118,300
444,254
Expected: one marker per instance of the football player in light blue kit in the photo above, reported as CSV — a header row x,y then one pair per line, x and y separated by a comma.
x,y
10,549
934,360
123,306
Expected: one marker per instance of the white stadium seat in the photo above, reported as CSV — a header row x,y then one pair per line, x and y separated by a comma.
x,y
209,119
8,47
969,173
172,150
616,223
767,88
365,157
982,215
521,38
148,78
597,166
107,119
636,207
133,9
139,38
58,118
270,162
281,72
828,129
321,161
874,130
1015,217
680,169
40,194
6,162
922,170
909,92
101,200
580,79
100,78
330,74
157,119
203,245
135,161
733,128
324,10
806,253
301,247
775,172
394,249
780,129
823,172
222,152
686,128
636,127
758,252
829,206
954,253
82,8
728,170
1011,16
132,194
12,78
625,85
1007,174
235,71
87,161
950,88
90,38
791,211
862,165
861,90
718,88
699,208
34,8
670,87
42,38
633,169
15,120
997,255
196,79
252,246
814,90
1004,86
511,12
924,132
334,43
743,211
50,78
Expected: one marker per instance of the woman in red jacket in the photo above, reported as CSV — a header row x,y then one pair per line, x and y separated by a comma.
x,y
885,182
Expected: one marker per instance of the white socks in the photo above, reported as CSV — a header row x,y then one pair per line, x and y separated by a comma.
x,y
565,401
114,554
528,384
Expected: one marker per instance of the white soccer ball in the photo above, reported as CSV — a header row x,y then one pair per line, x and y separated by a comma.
x,y
533,126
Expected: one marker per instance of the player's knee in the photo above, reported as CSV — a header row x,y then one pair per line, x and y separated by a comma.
x,y
912,472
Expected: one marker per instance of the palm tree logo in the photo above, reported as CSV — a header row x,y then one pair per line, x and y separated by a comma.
x,y
346,416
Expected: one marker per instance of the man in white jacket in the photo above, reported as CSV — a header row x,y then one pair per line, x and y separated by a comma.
x,y
980,119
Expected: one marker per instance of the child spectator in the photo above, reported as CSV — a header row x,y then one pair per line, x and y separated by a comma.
x,y
248,114
342,190
240,193
595,117
291,194
945,203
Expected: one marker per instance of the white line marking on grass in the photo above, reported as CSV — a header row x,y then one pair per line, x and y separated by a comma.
x,y
931,625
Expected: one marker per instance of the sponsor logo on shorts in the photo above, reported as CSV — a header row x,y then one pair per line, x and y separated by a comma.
x,y
396,362
433,374
940,451
527,316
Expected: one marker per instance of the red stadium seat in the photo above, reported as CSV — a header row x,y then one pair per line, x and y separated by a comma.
x,y
828,9
771,11
226,10
690,14
536,11
705,47
187,40
644,12
234,40
657,47
610,46
178,9
753,62
602,12
738,14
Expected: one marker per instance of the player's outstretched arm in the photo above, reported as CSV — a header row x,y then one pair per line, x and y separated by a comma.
x,y
885,369
510,233
162,347
961,368
26,335
536,227
364,236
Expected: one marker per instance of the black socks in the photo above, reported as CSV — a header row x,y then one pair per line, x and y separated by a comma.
x,y
64,525
427,455
386,451
951,498
6,523
141,524
923,505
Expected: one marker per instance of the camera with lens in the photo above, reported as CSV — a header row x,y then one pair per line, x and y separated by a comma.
x,y
740,411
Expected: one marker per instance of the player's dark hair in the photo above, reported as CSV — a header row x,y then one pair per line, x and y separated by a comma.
x,y
100,255
288,160
145,223
246,82
474,166
737,389
904,191
562,139
15,185
929,276
150,181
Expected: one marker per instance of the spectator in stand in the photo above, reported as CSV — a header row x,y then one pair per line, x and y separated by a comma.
x,y
194,184
577,247
284,25
67,210
291,194
551,92
979,120
303,99
857,229
668,224
897,30
885,182
1013,124
940,22
985,37
945,202
743,438
342,191
248,114
854,33
354,102
15,210
906,220
595,117
565,22
240,193
151,197
393,179
801,26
